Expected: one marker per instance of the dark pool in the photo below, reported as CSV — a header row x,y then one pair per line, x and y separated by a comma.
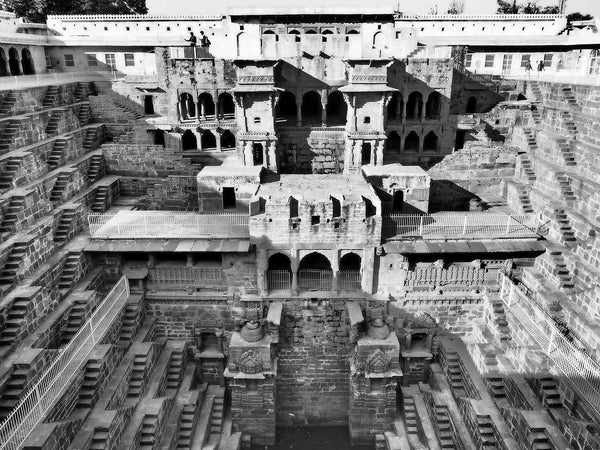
x,y
313,438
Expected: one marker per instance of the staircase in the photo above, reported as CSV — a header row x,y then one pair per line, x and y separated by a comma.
x,y
13,390
50,97
175,370
80,92
10,170
128,111
129,323
90,139
100,201
566,152
77,317
95,168
89,386
549,393
6,108
56,155
499,319
9,222
443,426
454,375
70,270
52,127
65,226
417,52
60,186
485,430
8,276
538,439
8,136
410,415
560,270
537,116
536,91
569,96
565,187
524,199
84,114
567,235
99,439
496,387
569,123
218,411
16,319
148,431
136,381
187,426
531,141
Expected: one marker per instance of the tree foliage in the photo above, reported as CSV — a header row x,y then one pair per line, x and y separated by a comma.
x,y
532,7
573,17
38,10
456,7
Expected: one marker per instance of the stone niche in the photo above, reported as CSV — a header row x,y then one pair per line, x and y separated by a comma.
x,y
374,374
227,188
402,189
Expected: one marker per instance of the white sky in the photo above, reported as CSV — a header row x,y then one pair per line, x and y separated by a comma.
x,y
411,6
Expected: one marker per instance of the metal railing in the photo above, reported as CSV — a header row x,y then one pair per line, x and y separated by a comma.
x,y
183,277
473,225
484,80
40,398
580,369
349,280
279,280
315,279
45,79
167,224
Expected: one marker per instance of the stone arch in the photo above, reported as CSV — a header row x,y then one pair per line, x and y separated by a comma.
x,y
430,143
336,109
208,140
27,62
227,139
352,32
3,69
315,260
286,107
279,261
310,32
268,32
378,40
206,104
411,142
395,107
392,144
13,61
244,45
187,108
226,104
350,261
327,32
188,140
414,105
312,109
471,105
433,106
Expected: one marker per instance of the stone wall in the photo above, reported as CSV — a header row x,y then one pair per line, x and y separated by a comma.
x,y
311,151
144,160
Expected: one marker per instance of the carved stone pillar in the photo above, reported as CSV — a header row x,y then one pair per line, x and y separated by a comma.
x,y
217,139
294,267
248,160
261,268
335,267
379,152
271,150
324,108
298,110
421,137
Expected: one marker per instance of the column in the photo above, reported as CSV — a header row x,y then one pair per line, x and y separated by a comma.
x,y
272,159
324,109
298,111
261,268
421,137
402,141
248,153
294,267
348,156
399,109
217,139
216,102
404,112
379,152
189,260
335,267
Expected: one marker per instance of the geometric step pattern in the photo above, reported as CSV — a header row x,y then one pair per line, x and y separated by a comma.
x,y
77,316
90,138
95,168
531,140
187,426
11,216
410,415
6,108
496,387
499,319
100,201
8,276
50,97
84,114
65,226
569,96
148,432
10,169
567,234
524,199
130,112
536,91
56,155
80,92
175,370
16,321
560,270
52,127
569,123
445,434
527,167
565,186
218,410
59,188
136,380
8,136
565,150
71,270
13,390
88,393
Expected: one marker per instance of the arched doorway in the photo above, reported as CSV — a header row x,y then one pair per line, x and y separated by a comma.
x,y
433,106
395,107
398,201
430,143
13,61
279,272
189,141
314,273
392,144
379,40
206,105
286,108
3,69
208,140
365,153
472,105
411,142
336,109
414,106
257,154
187,108
227,139
27,62
311,108
349,276
226,105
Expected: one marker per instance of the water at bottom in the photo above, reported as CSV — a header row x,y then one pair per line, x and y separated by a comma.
x,y
313,438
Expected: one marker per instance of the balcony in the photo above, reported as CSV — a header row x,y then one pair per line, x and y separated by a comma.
x,y
460,226
167,225
314,280
183,278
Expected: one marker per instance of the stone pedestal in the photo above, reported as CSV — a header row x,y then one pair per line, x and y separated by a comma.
x,y
374,375
252,371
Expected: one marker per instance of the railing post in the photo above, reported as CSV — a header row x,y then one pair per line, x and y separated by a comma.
x,y
421,226
508,223
465,226
552,336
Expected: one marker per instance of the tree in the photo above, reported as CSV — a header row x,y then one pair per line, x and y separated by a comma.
x,y
38,10
456,7
507,7
573,17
